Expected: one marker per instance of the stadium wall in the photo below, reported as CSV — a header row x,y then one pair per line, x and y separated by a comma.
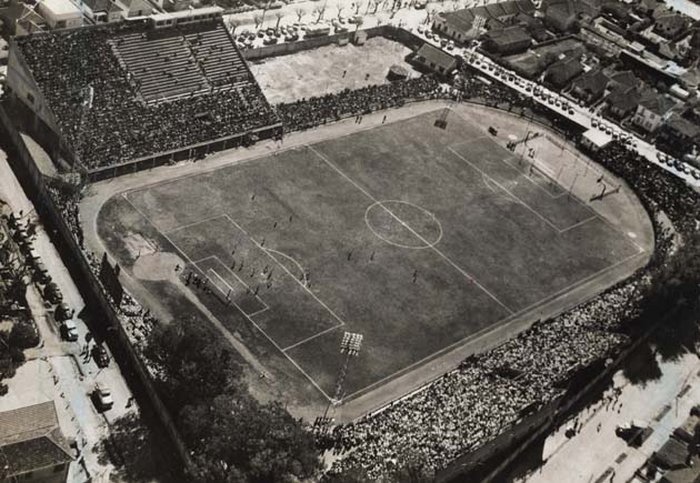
x,y
111,330
191,152
286,48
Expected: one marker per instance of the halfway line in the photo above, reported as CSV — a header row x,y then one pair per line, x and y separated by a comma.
x,y
417,235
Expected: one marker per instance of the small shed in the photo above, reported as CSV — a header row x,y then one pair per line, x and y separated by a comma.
x,y
594,139
435,60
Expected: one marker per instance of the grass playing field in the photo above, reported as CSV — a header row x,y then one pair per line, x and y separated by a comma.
x,y
413,236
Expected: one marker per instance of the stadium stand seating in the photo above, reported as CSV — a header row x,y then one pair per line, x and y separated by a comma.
x,y
126,92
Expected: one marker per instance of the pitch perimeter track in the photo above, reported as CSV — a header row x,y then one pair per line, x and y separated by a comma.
x,y
415,375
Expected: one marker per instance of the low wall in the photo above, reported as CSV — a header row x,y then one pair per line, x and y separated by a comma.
x,y
111,330
188,152
286,48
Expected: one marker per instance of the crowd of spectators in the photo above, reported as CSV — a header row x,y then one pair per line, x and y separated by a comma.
x,y
488,393
308,113
137,321
69,210
467,407
98,109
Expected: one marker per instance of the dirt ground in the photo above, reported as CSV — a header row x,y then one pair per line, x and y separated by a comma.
x,y
328,69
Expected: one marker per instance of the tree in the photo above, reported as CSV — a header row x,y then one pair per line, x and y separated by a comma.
x,y
24,335
236,435
675,283
279,16
642,367
233,25
137,453
300,14
320,11
230,435
190,355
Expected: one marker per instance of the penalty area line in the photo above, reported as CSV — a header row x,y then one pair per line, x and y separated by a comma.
x,y
218,324
304,341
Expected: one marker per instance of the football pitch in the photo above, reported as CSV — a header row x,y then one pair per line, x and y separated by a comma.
x,y
415,237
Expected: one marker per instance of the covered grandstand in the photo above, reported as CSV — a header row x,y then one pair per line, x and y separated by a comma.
x,y
138,92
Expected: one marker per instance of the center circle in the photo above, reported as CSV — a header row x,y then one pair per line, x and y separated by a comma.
x,y
403,224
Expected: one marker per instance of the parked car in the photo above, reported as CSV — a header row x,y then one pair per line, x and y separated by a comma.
x,y
69,331
41,275
52,293
102,398
62,312
99,353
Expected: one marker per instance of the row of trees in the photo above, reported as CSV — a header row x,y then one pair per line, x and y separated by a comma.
x,y
12,343
232,437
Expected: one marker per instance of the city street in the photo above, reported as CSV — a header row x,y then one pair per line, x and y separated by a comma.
x,y
414,20
56,370
595,451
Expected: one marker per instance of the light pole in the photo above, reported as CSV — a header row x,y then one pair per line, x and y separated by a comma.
x,y
349,346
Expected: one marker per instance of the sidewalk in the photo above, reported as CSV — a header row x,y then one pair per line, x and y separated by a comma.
x,y
595,453
54,370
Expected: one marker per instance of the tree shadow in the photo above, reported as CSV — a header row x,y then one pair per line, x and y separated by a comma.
x,y
679,335
641,366
133,450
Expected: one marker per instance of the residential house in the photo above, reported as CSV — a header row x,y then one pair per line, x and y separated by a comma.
x,y
507,41
135,8
466,24
590,86
561,72
678,131
625,78
652,110
622,101
625,93
32,447
21,19
563,15
533,26
671,25
100,11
